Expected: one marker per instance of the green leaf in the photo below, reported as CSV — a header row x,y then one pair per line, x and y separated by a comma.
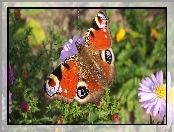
x,y
45,119
130,105
103,114
92,117
135,34
28,66
28,121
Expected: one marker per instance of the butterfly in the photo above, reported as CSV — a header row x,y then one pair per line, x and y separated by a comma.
x,y
88,66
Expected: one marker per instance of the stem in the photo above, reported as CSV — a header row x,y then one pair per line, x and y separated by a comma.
x,y
31,115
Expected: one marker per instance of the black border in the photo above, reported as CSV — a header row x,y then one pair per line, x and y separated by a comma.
x,y
8,8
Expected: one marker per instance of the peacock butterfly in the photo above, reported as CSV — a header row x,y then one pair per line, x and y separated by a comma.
x,y
88,66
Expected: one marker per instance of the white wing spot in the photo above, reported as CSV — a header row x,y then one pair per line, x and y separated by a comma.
x,y
79,93
104,30
66,91
60,89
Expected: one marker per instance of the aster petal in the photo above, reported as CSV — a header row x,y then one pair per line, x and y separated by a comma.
x,y
146,97
66,46
153,101
145,82
74,39
168,79
154,79
144,93
149,109
169,122
170,115
11,75
160,77
3,98
70,48
144,90
82,41
156,108
3,115
4,76
62,58
65,54
162,110
144,86
10,111
10,98
149,81
10,102
145,104
157,75
141,94
10,94
3,107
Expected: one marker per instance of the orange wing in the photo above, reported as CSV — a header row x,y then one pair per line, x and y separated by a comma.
x,y
66,78
98,36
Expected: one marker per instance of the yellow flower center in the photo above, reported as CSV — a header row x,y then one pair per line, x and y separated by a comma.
x,y
161,91
170,95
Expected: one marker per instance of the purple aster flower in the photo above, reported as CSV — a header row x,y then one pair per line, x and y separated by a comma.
x,y
170,101
10,104
3,107
11,75
4,76
70,48
152,95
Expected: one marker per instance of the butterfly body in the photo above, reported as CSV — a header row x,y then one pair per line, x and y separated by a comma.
x,y
84,75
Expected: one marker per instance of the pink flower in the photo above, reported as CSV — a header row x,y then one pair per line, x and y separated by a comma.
x,y
11,75
24,107
98,103
4,76
3,107
10,102
115,118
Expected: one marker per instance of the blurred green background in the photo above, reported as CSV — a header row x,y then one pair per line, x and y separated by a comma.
x,y
35,36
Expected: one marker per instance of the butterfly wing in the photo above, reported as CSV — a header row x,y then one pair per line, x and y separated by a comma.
x,y
89,90
96,61
99,42
98,36
66,84
62,83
